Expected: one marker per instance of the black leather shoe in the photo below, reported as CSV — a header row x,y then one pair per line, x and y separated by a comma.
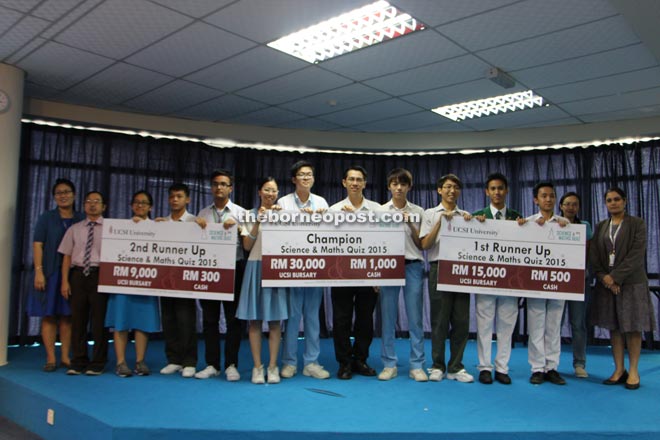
x,y
632,386
537,378
485,377
363,368
344,372
553,376
503,378
620,381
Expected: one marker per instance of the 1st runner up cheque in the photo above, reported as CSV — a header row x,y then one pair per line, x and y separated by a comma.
x,y
503,258
178,259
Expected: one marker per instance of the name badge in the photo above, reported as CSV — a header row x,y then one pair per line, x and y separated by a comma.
x,y
611,259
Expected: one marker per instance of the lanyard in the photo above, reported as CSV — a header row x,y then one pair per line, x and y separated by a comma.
x,y
613,236
220,219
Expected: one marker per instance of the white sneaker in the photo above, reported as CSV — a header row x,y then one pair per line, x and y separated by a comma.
x,y
436,374
461,376
387,373
419,375
170,369
258,375
188,372
273,375
288,371
316,371
231,373
207,372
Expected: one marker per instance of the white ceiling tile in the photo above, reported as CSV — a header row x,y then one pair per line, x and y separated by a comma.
x,y
21,34
119,83
610,85
592,66
294,85
310,124
477,89
444,73
20,5
69,18
582,40
223,107
246,69
552,123
53,9
524,20
268,117
435,12
60,67
371,112
33,90
634,113
402,123
246,17
515,119
449,127
404,53
195,8
197,46
172,97
623,101
343,97
34,44
8,18
117,28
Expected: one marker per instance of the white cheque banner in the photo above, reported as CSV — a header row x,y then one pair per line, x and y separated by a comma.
x,y
177,259
503,258
306,253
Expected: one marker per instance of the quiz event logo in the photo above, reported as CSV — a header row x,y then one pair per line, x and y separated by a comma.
x,y
560,235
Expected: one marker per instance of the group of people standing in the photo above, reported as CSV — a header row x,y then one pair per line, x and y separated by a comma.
x,y
67,253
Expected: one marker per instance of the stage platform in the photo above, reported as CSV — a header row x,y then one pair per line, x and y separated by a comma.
x,y
170,407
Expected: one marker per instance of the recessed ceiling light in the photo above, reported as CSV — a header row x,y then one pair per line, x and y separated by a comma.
x,y
490,106
371,24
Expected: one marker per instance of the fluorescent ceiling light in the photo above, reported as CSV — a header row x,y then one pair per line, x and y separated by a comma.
x,y
351,31
490,106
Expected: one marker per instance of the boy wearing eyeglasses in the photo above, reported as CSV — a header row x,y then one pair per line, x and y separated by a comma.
x,y
447,308
303,301
224,211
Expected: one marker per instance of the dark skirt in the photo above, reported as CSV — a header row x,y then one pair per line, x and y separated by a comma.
x,y
49,302
629,311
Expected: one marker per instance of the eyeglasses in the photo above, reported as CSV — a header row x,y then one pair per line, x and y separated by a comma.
x,y
450,187
220,184
63,193
93,201
305,175
141,203
270,191
571,205
355,179
613,199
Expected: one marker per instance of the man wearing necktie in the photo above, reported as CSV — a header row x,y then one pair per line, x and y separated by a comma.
x,y
81,248
490,306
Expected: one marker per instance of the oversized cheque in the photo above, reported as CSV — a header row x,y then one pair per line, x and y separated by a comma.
x,y
177,259
503,258
313,252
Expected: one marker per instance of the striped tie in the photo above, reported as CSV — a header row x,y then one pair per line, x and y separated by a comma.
x,y
87,259
498,215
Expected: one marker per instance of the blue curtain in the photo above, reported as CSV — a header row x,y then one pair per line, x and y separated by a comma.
x,y
118,165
